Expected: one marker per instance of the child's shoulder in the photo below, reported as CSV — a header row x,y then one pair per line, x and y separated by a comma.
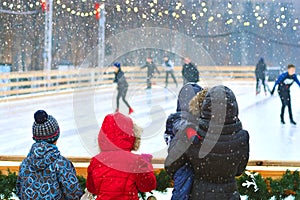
x,y
172,117
61,161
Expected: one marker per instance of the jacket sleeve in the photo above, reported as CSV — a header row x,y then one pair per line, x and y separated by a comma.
x,y
168,135
171,64
146,182
265,68
68,180
156,69
256,69
245,157
296,79
170,127
177,153
18,187
116,77
90,183
144,66
279,80
19,182
178,123
183,70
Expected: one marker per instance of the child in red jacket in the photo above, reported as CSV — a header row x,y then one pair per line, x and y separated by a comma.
x,y
116,173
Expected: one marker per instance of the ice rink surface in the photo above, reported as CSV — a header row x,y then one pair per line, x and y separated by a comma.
x,y
80,114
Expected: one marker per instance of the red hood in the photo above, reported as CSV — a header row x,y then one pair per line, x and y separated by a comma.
x,y
116,133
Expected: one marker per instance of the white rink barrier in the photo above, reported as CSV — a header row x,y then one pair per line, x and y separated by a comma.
x,y
21,83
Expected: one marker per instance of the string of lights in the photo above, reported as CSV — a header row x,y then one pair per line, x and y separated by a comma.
x,y
178,11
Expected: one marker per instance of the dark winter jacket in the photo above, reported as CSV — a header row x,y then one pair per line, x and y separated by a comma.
x,y
120,80
221,156
190,73
45,174
260,70
116,173
183,178
284,82
151,68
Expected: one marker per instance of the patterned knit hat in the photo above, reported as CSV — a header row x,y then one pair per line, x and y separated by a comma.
x,y
45,128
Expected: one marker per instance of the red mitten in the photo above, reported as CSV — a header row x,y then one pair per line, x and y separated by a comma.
x,y
190,132
147,157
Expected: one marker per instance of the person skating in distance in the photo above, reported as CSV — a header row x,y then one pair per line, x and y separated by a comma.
x,y
122,86
169,67
260,73
151,68
284,82
189,72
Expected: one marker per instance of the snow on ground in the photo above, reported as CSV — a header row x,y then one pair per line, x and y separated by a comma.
x,y
80,115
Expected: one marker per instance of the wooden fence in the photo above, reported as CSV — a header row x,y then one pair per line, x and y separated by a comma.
x,y
16,84
266,168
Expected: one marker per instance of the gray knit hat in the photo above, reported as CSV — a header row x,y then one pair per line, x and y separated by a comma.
x,y
45,127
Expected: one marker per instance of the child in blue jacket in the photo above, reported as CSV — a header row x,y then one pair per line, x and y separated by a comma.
x,y
44,173
284,82
183,178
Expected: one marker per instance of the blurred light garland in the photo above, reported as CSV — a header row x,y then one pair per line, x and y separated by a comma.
x,y
228,34
179,7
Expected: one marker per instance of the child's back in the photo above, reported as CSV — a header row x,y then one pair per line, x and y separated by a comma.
x,y
44,173
116,173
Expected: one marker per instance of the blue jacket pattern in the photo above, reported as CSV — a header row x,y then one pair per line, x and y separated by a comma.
x,y
45,174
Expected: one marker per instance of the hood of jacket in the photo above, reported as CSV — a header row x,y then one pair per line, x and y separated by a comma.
x,y
41,155
186,94
220,107
116,133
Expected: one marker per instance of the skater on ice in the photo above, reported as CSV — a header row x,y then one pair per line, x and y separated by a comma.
x,y
122,88
151,69
284,82
189,72
116,173
45,173
214,169
169,67
260,73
